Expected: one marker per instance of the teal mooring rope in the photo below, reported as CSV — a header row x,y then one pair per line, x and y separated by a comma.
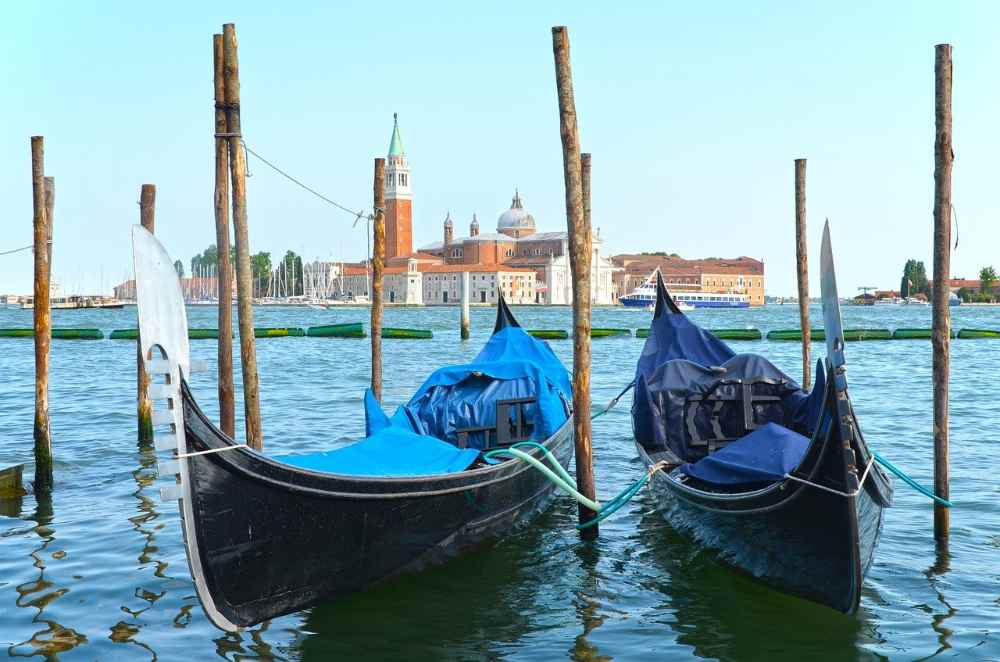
x,y
561,479
909,481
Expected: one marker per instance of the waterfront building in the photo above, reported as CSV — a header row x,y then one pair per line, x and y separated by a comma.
x,y
741,275
513,250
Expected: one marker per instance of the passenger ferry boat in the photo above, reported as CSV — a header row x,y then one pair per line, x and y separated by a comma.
x,y
645,295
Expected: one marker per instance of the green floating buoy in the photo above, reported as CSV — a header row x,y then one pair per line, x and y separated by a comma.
x,y
64,334
274,332
213,334
351,330
642,333
818,335
978,333
549,334
867,334
390,332
609,333
916,334
736,334
124,334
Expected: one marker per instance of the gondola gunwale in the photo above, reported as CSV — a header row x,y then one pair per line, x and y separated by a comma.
x,y
500,472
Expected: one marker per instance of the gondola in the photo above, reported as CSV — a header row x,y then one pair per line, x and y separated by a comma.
x,y
777,481
268,536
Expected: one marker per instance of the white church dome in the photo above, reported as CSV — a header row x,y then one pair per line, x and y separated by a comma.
x,y
516,218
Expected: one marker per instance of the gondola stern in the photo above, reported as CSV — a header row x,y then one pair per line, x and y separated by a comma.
x,y
505,318
664,302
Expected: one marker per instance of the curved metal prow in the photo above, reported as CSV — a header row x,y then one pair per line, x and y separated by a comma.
x,y
664,302
163,333
505,318
162,316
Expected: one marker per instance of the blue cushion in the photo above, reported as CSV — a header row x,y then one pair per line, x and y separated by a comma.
x,y
763,456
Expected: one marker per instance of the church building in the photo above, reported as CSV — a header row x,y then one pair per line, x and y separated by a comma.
x,y
505,256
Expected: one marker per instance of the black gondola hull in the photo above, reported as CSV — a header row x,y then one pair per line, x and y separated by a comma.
x,y
794,537
272,539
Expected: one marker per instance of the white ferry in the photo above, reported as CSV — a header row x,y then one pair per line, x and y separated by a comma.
x,y
645,295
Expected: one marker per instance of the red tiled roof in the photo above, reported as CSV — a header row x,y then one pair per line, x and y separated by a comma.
x,y
678,265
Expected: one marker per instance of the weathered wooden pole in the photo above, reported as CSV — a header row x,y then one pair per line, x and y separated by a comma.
x,y
244,292
50,207
943,158
574,165
42,318
378,263
147,217
466,295
802,267
227,404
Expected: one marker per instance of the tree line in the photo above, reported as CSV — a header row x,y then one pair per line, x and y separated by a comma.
x,y
288,273
914,281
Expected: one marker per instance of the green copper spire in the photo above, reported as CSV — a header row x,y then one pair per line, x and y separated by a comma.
x,y
396,146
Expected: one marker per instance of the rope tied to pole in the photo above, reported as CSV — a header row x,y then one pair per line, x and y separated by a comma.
x,y
614,401
558,476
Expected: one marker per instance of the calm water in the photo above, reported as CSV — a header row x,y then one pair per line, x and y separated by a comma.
x,y
99,572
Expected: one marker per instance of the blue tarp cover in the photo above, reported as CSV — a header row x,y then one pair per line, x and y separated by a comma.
x,y
511,365
392,451
415,440
763,456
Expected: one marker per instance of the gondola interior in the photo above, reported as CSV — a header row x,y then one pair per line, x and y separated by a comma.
x,y
515,390
728,422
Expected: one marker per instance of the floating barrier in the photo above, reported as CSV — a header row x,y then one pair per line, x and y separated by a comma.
x,y
918,334
390,332
124,334
866,334
978,333
796,334
193,334
213,334
549,334
275,332
64,334
610,333
352,330
642,333
736,334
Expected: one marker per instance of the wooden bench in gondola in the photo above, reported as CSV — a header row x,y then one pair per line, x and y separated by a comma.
x,y
512,426
746,399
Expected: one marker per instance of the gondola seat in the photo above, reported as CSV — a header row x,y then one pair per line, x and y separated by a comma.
x,y
764,456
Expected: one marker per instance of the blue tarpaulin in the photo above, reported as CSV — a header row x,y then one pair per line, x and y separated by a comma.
x,y
419,439
763,456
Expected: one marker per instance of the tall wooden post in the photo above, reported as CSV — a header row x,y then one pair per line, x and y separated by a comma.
x,y
466,295
227,405
50,207
147,217
42,318
244,293
580,260
802,267
378,263
943,157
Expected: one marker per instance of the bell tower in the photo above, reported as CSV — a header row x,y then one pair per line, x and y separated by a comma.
x,y
398,198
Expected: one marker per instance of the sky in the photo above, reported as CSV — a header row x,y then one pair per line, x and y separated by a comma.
x,y
693,112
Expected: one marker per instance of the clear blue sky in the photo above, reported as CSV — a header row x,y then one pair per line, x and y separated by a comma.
x,y
694,113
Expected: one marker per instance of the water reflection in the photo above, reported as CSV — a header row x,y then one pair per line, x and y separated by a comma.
x,y
723,614
40,593
935,576
587,607
417,617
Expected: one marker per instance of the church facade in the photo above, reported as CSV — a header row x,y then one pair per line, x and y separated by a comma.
x,y
507,258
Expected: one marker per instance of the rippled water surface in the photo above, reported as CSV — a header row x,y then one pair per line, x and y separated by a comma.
x,y
98,571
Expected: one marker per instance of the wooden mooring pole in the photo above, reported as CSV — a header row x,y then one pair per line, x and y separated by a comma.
x,y
802,267
42,318
466,295
227,402
943,158
574,167
378,262
147,217
244,284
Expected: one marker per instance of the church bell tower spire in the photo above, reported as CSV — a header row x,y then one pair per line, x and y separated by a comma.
x,y
398,198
